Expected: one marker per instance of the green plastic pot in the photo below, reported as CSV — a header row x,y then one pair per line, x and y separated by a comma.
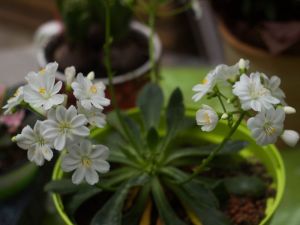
x,y
16,179
268,155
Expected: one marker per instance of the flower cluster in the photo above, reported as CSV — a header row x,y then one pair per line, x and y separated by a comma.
x,y
65,127
254,94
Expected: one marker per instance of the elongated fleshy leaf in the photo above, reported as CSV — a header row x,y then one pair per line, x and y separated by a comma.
x,y
207,215
150,101
83,195
196,189
245,185
64,186
152,138
111,212
192,152
165,211
133,217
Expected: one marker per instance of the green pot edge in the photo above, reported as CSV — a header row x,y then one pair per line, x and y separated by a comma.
x,y
271,151
17,180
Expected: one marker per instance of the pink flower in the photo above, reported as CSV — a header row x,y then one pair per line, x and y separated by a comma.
x,y
13,121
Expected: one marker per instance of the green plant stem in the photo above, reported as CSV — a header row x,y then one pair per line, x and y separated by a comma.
x,y
151,24
214,152
107,63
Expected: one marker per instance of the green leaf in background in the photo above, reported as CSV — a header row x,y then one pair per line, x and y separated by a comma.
x,y
111,212
164,209
150,101
245,185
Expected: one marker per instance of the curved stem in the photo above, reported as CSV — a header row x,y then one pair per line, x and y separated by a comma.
x,y
151,24
213,154
107,63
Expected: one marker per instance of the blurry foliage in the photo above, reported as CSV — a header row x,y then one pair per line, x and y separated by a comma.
x,y
81,16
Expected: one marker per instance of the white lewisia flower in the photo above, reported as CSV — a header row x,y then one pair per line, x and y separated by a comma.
x,y
207,118
252,94
94,116
290,137
65,125
14,101
267,126
41,90
86,160
273,85
38,146
220,73
88,93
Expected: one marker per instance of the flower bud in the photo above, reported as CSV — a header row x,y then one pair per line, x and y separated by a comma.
x,y
243,64
224,116
289,110
91,76
70,75
290,137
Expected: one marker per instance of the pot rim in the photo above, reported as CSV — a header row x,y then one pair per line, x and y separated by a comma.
x,y
270,151
52,28
245,47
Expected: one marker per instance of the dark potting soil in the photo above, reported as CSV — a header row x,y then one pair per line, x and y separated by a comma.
x,y
11,157
126,55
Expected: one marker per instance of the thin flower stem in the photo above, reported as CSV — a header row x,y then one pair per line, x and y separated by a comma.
x,y
151,24
107,62
213,153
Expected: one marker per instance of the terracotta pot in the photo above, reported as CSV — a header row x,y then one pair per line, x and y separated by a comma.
x,y
126,85
268,155
285,66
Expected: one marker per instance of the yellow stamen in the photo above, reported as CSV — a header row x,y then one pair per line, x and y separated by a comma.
x,y
204,81
270,130
93,89
42,71
86,162
207,118
42,91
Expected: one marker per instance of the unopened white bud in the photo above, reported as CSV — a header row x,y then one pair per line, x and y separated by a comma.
x,y
197,9
290,137
244,64
289,110
91,76
70,73
65,100
224,116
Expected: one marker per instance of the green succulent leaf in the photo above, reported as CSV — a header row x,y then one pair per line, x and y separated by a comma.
x,y
134,215
152,138
208,215
194,153
111,212
83,195
196,189
245,185
64,186
150,101
165,211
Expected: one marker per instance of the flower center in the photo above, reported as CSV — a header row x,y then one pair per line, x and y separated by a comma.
x,y
269,130
40,140
42,71
86,162
42,91
204,81
93,89
64,127
17,93
207,118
